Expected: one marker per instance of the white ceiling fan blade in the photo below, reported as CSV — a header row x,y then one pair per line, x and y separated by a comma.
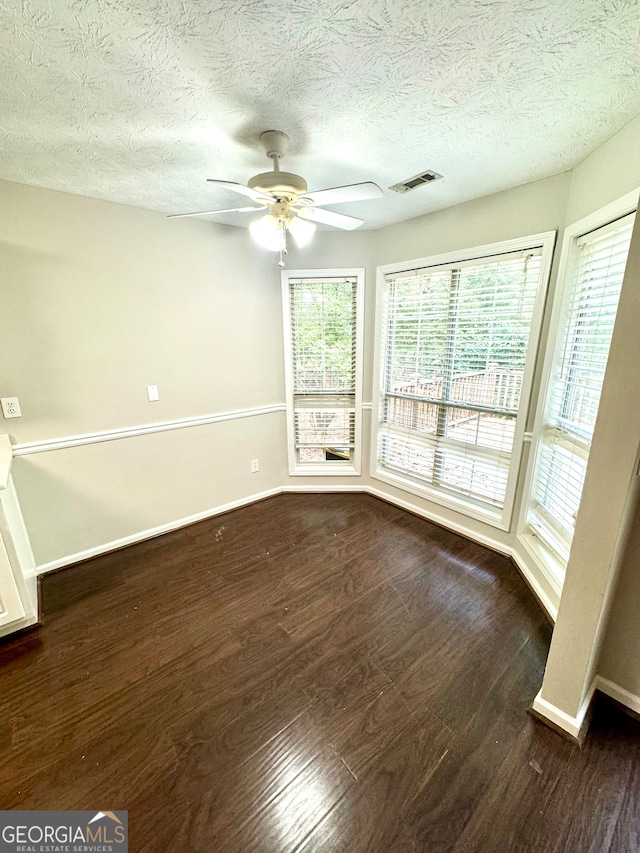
x,y
328,217
208,212
340,195
256,195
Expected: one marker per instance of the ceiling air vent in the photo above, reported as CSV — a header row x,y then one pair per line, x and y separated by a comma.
x,y
427,177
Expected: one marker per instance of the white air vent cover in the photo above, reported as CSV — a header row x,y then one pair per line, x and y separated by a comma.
x,y
427,177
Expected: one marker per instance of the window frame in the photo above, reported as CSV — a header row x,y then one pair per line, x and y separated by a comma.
x,y
500,518
326,468
545,558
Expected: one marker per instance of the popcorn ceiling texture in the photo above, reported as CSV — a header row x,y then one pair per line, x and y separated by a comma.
x,y
138,101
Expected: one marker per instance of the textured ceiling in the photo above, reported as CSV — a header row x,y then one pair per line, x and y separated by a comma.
x,y
138,101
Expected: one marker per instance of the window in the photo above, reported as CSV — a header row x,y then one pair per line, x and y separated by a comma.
x,y
588,301
323,341
457,341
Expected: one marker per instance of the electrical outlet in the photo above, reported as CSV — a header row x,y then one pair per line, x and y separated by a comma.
x,y
255,466
10,407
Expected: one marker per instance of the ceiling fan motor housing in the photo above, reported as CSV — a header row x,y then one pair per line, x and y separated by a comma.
x,y
279,184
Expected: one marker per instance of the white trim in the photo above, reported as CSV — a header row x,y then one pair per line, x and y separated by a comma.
x,y
471,254
339,469
329,469
573,726
152,532
312,488
615,210
547,593
18,625
544,561
6,456
620,694
487,515
503,518
145,429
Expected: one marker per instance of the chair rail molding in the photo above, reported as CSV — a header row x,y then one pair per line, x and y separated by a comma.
x,y
48,444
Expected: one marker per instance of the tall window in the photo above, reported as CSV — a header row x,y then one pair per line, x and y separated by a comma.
x,y
323,341
458,341
591,290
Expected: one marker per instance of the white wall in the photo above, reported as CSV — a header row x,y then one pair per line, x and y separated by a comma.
x,y
100,300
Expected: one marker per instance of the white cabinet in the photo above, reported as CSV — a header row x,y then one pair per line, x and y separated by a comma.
x,y
18,592
11,607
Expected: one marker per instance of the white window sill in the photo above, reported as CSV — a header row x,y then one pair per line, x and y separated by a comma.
x,y
325,469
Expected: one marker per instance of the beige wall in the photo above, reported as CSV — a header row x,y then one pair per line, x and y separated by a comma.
x,y
607,174
77,499
100,300
620,659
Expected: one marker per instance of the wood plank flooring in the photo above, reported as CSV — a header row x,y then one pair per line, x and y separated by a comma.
x,y
313,672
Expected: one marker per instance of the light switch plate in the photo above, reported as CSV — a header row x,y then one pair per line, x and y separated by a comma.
x,y
10,407
152,393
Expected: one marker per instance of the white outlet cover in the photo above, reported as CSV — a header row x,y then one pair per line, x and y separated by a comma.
x,y
153,393
10,407
255,466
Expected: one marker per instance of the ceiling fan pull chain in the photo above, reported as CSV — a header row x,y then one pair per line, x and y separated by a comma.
x,y
283,247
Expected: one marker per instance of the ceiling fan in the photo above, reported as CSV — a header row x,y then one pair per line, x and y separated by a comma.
x,y
292,209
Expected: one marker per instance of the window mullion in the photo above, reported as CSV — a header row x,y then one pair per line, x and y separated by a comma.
x,y
447,372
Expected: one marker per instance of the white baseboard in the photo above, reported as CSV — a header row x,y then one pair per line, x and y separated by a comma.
x,y
576,726
322,488
153,532
549,606
625,697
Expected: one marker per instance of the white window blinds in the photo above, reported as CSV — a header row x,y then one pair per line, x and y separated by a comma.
x,y
456,341
592,290
323,354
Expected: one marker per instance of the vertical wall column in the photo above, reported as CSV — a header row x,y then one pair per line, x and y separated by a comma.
x,y
610,496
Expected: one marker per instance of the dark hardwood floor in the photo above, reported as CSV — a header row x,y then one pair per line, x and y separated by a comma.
x,y
317,672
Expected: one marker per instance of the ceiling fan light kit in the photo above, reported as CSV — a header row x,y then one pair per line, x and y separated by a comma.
x,y
291,207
